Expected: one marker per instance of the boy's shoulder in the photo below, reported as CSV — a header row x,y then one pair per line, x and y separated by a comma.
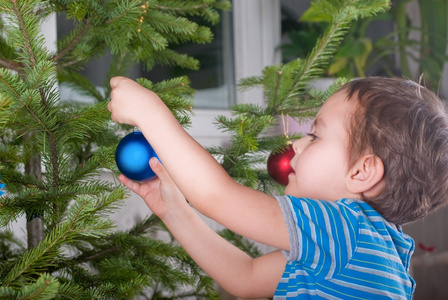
x,y
355,206
356,212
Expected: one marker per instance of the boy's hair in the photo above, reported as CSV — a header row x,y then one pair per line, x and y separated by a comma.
x,y
406,126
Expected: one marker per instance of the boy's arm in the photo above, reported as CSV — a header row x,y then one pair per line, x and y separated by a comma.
x,y
230,267
198,175
233,269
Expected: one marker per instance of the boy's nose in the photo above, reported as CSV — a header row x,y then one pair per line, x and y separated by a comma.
x,y
299,145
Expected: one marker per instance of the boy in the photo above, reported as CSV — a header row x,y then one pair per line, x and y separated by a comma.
x,y
376,158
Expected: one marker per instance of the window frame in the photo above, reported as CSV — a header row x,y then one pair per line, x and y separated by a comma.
x,y
257,34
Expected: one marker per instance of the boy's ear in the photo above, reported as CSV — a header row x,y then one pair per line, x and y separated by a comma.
x,y
365,177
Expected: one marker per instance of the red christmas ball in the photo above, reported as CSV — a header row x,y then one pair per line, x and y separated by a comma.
x,y
278,165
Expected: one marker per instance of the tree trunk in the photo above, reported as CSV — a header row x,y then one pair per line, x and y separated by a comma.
x,y
34,226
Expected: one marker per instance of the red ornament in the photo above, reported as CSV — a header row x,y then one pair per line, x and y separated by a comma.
x,y
278,165
426,248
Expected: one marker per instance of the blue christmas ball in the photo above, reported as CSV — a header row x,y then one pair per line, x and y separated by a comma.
x,y
132,157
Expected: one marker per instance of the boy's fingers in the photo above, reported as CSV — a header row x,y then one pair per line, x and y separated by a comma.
x,y
115,80
133,186
109,106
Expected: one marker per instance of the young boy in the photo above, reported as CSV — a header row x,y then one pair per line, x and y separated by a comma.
x,y
376,158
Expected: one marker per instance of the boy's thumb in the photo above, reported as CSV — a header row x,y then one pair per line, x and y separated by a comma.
x,y
157,167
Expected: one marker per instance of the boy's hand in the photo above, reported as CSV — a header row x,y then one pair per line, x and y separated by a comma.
x,y
160,194
129,101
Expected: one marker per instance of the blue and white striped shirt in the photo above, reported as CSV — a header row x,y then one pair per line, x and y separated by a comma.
x,y
343,250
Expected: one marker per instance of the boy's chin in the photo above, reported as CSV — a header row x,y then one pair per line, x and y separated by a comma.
x,y
292,189
289,189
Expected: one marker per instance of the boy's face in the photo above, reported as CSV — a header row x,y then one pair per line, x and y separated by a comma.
x,y
320,161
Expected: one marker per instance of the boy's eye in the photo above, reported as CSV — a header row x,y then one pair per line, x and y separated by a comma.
x,y
313,136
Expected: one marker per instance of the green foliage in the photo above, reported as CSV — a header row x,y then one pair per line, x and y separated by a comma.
x,y
173,92
352,57
52,151
424,45
421,43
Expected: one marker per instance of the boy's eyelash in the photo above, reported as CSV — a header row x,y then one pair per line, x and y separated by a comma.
x,y
313,136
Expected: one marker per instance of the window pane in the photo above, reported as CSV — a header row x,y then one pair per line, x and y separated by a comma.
x,y
214,82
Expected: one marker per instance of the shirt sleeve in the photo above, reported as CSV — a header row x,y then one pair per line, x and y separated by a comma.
x,y
322,234
291,222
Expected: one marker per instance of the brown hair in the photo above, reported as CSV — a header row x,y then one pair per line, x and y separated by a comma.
x,y
406,126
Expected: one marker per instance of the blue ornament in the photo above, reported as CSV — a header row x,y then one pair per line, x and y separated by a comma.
x,y
132,157
2,185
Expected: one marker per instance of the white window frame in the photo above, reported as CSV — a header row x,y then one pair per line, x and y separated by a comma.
x,y
257,34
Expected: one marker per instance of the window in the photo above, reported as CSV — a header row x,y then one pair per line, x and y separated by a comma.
x,y
214,82
245,43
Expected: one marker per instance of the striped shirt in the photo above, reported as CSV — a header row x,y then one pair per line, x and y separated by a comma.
x,y
343,250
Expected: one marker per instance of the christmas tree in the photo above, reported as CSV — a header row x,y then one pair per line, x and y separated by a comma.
x,y
51,152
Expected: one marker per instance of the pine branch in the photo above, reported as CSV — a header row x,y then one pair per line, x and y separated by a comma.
x,y
9,64
138,230
29,45
74,42
24,31
79,221
45,287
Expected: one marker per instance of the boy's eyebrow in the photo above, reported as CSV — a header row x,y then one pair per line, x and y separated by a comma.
x,y
318,122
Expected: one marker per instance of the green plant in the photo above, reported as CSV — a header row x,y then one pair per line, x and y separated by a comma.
x,y
424,45
351,58
301,39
